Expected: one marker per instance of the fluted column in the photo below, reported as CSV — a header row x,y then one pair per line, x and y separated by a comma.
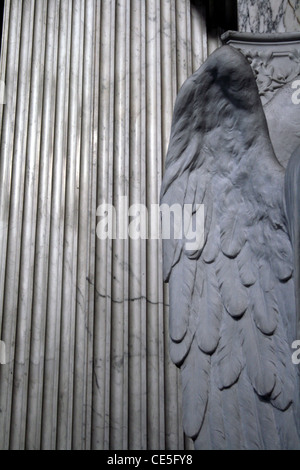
x,y
90,87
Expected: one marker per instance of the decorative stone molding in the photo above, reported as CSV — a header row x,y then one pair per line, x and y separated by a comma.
x,y
275,58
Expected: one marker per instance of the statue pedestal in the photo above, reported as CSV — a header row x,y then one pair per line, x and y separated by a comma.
x,y
275,60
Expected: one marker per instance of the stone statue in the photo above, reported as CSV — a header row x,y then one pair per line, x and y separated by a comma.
x,y
232,302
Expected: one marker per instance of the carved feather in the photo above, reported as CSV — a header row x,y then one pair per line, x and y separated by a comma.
x,y
249,414
229,353
234,293
215,409
212,247
268,425
195,382
264,308
232,234
283,257
260,357
203,440
181,289
210,307
179,351
247,269
284,390
231,409
287,429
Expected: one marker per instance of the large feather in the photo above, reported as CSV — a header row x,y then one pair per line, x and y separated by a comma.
x,y
195,383
229,354
283,393
260,357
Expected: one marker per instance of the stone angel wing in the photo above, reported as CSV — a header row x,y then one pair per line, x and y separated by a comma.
x,y
232,301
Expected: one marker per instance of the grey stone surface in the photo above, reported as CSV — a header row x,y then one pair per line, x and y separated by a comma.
x,y
232,304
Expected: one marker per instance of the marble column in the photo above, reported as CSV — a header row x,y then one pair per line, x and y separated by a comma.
x,y
269,16
89,90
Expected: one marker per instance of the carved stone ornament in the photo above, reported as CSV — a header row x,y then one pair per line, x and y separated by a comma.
x,y
275,60
234,305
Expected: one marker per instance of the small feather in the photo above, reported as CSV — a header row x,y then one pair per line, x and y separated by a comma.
x,y
172,250
283,270
232,234
181,288
247,269
210,309
212,245
208,209
229,353
194,239
282,259
190,217
172,247
179,351
234,293
263,306
285,293
266,277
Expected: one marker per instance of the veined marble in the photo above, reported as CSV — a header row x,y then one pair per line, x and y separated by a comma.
x,y
90,88
269,16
